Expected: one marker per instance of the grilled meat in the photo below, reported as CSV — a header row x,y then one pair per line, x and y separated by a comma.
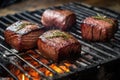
x,y
98,28
22,35
60,19
58,45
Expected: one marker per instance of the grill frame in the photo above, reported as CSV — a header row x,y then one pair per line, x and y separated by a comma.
x,y
98,53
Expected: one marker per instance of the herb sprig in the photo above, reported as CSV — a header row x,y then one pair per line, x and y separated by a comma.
x,y
23,26
58,34
102,17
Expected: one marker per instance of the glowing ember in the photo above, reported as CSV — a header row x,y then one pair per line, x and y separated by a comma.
x,y
59,68
23,77
64,68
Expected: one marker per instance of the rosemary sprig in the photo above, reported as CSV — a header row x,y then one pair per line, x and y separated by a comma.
x,y
59,34
98,16
102,17
23,26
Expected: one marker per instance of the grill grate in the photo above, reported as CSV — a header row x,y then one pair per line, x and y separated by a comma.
x,y
93,54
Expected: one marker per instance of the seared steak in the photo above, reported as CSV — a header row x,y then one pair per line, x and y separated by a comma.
x,y
58,45
98,28
60,19
22,35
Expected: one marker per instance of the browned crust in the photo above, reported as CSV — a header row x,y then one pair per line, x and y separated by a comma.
x,y
58,48
92,30
61,19
22,42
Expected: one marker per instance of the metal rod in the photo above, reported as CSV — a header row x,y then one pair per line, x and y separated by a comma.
x,y
54,72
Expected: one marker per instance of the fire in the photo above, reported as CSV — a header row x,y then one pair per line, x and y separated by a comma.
x,y
23,77
59,68
64,68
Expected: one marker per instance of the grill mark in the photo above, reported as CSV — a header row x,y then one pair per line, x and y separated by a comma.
x,y
92,32
100,34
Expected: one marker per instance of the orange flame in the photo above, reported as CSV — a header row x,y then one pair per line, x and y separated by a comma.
x,y
23,77
59,68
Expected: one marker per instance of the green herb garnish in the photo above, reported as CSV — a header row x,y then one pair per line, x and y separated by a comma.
x,y
59,34
102,17
23,26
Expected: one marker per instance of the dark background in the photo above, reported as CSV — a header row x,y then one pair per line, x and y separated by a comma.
x,y
38,4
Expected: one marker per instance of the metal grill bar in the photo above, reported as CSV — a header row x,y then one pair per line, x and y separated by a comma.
x,y
3,23
26,18
8,20
50,61
93,54
12,16
8,71
44,65
28,15
85,61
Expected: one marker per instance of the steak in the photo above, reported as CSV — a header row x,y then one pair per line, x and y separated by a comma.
x,y
98,28
58,19
58,45
22,35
